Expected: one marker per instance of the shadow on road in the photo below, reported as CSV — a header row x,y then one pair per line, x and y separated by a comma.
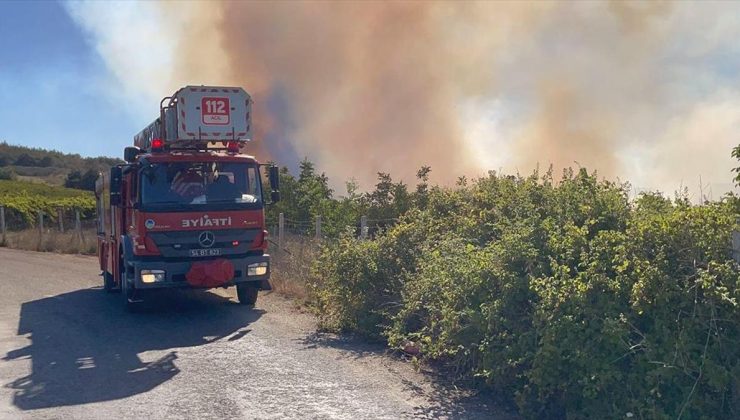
x,y
351,346
85,348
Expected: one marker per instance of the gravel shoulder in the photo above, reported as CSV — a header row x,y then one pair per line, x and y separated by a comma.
x,y
68,350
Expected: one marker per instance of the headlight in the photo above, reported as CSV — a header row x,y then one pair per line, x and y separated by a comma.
x,y
257,269
151,276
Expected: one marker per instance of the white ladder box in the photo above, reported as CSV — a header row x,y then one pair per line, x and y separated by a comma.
x,y
209,113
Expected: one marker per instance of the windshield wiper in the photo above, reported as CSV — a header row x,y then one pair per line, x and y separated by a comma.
x,y
222,201
156,203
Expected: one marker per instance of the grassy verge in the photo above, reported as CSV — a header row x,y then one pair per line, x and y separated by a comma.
x,y
65,243
290,265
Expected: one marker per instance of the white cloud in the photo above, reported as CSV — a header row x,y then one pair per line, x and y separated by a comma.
x,y
132,38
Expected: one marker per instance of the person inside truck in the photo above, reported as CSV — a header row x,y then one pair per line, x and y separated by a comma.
x,y
222,189
188,184
200,183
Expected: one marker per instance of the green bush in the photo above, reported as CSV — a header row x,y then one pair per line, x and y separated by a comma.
x,y
7,174
564,296
357,284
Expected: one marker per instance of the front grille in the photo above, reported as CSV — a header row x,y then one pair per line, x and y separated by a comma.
x,y
181,277
177,244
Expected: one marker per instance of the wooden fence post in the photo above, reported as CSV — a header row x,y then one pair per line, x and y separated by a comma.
x,y
60,213
41,230
78,225
318,228
735,242
281,229
363,227
2,223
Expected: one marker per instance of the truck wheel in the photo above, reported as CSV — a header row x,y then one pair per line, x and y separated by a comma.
x,y
247,294
128,296
108,284
128,292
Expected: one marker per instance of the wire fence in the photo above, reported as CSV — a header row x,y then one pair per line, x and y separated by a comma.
x,y
736,244
74,230
64,230
364,228
294,245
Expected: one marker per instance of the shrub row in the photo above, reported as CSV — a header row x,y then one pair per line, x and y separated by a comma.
x,y
567,297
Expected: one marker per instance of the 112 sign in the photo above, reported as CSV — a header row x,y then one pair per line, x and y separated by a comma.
x,y
215,111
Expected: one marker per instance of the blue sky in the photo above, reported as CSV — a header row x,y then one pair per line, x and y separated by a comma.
x,y
51,85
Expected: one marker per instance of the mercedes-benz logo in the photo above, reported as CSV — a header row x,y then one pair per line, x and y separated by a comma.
x,y
207,239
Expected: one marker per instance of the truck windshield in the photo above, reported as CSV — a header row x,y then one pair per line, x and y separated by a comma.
x,y
200,185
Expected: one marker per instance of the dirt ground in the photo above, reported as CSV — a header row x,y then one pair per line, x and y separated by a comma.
x,y
69,350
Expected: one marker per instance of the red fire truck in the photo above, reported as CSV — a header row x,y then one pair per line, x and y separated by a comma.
x,y
187,208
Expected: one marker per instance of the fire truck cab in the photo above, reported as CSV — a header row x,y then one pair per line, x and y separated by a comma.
x,y
186,210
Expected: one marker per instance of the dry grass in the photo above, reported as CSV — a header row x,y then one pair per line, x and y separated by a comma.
x,y
53,241
291,265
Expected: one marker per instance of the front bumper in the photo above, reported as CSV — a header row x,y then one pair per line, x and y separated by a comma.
x,y
175,272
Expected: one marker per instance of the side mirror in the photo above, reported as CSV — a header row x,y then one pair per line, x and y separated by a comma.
x,y
274,176
116,177
130,153
275,196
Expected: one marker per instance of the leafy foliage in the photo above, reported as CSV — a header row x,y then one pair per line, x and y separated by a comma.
x,y
29,156
736,155
307,196
52,166
7,174
565,296
23,199
82,181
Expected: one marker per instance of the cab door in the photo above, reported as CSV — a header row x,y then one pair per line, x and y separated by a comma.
x,y
101,221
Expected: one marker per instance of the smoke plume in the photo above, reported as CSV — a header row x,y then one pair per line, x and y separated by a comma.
x,y
644,92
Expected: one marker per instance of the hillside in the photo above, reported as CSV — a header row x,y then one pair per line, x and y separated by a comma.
x,y
13,188
50,166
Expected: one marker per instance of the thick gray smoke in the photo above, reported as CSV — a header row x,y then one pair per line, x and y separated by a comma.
x,y
645,92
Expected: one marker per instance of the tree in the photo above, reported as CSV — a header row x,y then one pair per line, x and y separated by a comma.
x,y
312,189
422,188
301,198
7,173
46,161
82,181
24,159
736,155
382,196
88,180
389,200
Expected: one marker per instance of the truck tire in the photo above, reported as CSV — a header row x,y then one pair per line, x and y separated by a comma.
x,y
127,291
108,284
247,294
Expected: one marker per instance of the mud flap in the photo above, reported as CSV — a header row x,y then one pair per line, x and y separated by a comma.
x,y
265,285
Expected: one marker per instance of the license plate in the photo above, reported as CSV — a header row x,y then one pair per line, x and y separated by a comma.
x,y
204,252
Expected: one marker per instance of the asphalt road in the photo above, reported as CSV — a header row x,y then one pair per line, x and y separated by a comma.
x,y
69,350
